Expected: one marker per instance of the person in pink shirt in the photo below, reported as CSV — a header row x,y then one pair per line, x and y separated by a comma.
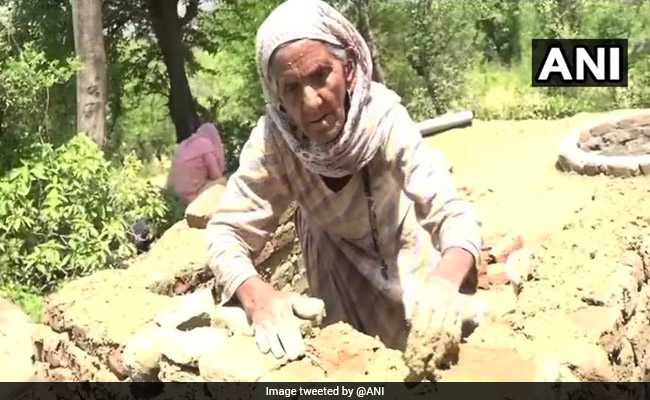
x,y
198,160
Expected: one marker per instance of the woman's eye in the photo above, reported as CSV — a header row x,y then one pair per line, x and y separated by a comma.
x,y
322,74
290,88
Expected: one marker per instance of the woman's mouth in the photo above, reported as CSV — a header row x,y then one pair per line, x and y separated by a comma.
x,y
319,120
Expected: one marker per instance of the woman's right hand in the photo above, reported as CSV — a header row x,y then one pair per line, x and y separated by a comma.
x,y
272,315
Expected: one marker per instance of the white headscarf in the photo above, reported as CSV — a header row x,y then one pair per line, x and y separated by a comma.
x,y
362,134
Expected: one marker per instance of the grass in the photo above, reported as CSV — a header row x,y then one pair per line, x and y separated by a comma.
x,y
501,92
29,301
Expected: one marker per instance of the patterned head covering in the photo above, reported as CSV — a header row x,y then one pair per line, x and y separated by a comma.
x,y
360,139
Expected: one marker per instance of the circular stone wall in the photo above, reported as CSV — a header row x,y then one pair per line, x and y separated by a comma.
x,y
619,147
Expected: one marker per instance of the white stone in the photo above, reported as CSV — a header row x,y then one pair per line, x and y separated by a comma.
x,y
189,311
232,318
143,352
186,347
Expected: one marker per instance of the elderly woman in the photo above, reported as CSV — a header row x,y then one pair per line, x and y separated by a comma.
x,y
198,160
386,240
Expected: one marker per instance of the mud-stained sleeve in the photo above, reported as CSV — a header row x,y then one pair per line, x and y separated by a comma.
x,y
255,197
424,175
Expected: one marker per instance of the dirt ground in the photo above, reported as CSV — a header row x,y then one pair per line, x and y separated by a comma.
x,y
580,229
510,166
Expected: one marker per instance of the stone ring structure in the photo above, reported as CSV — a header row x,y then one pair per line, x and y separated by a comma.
x,y
618,147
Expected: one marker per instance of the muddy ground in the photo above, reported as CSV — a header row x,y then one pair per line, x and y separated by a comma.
x,y
582,230
582,316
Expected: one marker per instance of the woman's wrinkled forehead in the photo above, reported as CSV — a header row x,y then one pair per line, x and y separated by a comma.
x,y
311,48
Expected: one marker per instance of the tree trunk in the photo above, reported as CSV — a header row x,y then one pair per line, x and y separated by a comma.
x,y
366,32
91,79
167,27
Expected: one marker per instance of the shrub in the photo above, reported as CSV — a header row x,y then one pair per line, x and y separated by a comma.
x,y
66,212
26,79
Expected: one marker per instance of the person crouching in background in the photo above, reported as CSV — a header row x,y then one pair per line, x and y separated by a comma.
x,y
198,161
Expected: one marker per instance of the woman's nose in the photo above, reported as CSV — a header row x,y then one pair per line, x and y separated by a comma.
x,y
311,98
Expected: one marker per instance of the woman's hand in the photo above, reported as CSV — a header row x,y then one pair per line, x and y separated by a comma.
x,y
438,315
435,328
272,315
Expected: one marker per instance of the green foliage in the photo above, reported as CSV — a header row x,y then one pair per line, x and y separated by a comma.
x,y
500,25
26,79
29,300
66,212
227,83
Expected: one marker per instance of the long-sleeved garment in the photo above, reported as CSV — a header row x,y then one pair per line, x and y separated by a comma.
x,y
197,160
418,216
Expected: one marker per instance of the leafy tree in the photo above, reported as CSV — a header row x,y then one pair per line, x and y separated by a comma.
x,y
500,24
441,46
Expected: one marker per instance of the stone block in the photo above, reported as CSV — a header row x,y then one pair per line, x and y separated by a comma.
x,y
602,129
620,136
595,321
234,319
639,120
644,165
622,167
189,311
186,347
116,363
562,163
238,360
143,352
172,372
592,169
587,361
199,211
344,352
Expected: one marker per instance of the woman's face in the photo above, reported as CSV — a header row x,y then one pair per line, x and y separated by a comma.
x,y
311,84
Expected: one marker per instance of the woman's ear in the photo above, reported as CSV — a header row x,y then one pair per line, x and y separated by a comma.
x,y
350,75
349,69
